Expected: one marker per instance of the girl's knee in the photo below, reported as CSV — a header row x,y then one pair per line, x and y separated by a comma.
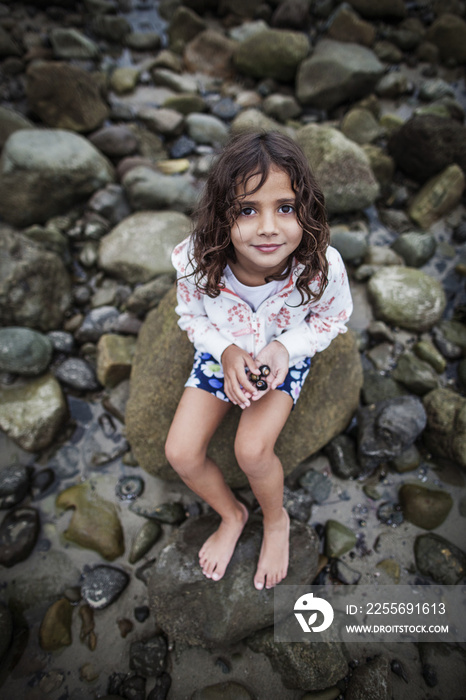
x,y
253,453
179,455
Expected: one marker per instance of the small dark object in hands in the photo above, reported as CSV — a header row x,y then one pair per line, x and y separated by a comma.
x,y
259,379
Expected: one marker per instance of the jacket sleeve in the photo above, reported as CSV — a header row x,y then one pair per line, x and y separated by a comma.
x,y
327,317
205,336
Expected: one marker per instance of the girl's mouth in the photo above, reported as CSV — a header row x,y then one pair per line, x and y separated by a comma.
x,y
268,247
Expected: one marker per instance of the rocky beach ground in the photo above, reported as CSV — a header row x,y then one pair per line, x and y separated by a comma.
x,y
111,113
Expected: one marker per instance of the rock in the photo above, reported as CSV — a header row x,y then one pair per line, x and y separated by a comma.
x,y
230,690
334,386
184,26
171,513
425,145
124,79
95,523
205,128
418,376
148,658
18,535
298,503
281,107
340,166
54,572
371,680
65,96
114,358
394,9
147,189
110,203
361,126
140,247
445,434
291,14
406,297
184,83
55,628
434,89
68,43
95,323
210,53
338,539
341,452
11,121
336,72
352,245
415,248
8,47
144,540
110,27
24,351
14,485
230,609
254,120
33,161
388,428
274,53
382,165
424,507
426,351
168,122
346,25
116,141
317,484
143,41
32,412
147,296
393,85
454,333
438,196
448,33
6,630
311,665
77,374
102,585
440,559
378,387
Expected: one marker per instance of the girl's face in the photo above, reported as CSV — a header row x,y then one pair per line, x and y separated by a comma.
x,y
267,230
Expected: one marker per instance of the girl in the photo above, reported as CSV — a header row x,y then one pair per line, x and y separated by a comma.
x,y
257,285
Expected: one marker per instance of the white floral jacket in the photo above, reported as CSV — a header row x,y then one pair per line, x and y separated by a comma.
x,y
304,329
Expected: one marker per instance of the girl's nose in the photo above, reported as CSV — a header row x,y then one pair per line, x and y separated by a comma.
x,y
267,224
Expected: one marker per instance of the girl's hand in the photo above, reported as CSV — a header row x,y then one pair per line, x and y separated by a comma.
x,y
237,386
275,355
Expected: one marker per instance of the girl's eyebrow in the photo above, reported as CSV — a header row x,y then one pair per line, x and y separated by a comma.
x,y
253,202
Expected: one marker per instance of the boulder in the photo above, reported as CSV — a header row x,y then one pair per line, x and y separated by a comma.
x,y
147,189
24,351
346,25
45,172
448,33
35,287
335,73
406,297
65,96
273,53
70,43
225,611
11,121
341,168
438,196
389,9
440,559
426,144
445,434
211,53
139,248
32,412
328,400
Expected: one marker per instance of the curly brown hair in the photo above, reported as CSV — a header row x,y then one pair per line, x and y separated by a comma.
x,y
245,157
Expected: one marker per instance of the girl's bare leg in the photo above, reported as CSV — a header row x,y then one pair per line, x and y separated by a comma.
x,y
258,430
196,420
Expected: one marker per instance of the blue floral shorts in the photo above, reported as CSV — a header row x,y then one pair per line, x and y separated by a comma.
x,y
207,374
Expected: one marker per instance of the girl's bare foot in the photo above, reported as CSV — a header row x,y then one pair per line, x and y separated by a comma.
x,y
218,549
273,559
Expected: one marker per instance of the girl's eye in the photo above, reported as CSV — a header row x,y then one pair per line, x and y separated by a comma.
x,y
247,211
286,209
